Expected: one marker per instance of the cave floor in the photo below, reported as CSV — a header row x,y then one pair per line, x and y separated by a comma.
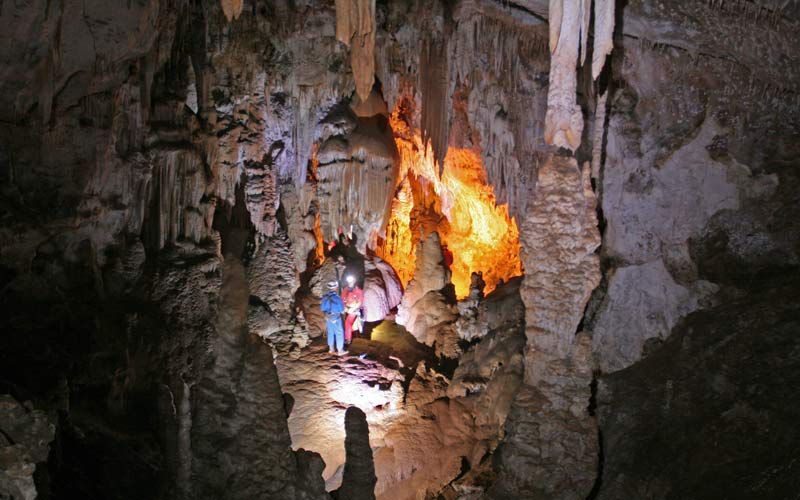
x,y
387,342
374,375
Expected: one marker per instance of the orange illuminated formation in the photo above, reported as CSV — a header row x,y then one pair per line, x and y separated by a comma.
x,y
478,234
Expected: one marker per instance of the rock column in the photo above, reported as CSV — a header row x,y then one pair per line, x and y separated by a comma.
x,y
550,450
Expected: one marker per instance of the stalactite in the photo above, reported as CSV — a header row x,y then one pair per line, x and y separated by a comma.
x,y
555,14
232,9
344,29
355,27
434,81
603,34
586,16
569,33
564,120
599,129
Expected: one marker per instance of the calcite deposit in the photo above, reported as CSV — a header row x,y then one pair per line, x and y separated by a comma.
x,y
173,173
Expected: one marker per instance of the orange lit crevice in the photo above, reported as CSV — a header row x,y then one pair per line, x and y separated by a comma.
x,y
319,251
460,206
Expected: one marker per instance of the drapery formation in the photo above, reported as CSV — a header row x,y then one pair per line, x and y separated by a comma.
x,y
355,27
569,32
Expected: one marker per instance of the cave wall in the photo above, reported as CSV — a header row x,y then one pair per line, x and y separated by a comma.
x,y
133,155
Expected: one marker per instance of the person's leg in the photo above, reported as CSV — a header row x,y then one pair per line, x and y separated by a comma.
x,y
331,335
339,337
348,328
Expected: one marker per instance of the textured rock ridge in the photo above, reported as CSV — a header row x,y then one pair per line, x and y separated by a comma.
x,y
550,450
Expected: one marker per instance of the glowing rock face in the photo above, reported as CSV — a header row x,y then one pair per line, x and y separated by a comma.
x,y
478,235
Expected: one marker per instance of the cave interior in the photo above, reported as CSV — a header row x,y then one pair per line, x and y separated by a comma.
x,y
575,225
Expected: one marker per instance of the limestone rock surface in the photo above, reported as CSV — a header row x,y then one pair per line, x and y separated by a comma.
x,y
428,310
699,417
25,437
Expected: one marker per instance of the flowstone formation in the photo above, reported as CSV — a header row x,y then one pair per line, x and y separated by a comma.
x,y
357,166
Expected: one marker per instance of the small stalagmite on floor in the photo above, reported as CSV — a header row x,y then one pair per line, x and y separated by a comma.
x,y
358,481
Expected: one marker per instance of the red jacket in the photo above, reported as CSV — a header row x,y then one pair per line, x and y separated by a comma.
x,y
352,298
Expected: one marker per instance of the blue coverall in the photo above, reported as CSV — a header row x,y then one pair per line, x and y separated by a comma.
x,y
333,307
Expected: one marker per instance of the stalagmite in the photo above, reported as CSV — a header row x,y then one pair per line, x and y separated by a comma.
x,y
551,405
358,480
603,34
564,120
355,27
232,9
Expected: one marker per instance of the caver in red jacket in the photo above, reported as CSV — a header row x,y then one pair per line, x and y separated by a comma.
x,y
353,299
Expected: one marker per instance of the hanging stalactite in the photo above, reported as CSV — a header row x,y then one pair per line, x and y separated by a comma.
x,y
603,34
569,34
232,9
564,119
355,27
433,76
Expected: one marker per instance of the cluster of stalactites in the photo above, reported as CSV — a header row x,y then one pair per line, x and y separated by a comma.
x,y
355,27
569,33
232,9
